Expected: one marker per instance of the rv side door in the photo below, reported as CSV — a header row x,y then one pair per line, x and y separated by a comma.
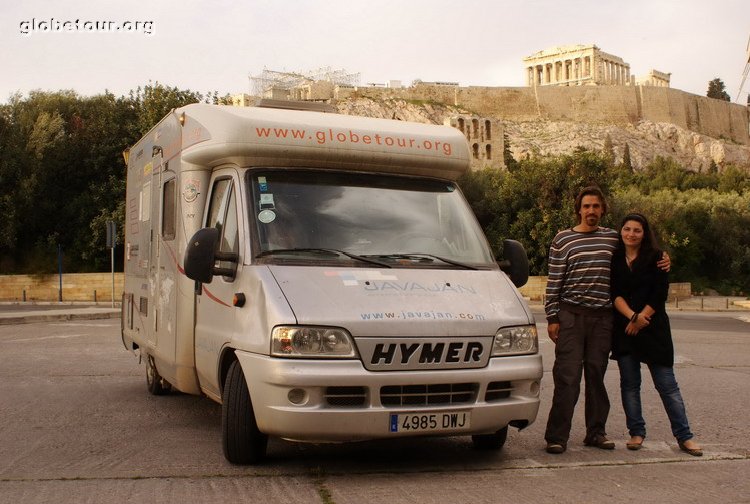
x,y
215,314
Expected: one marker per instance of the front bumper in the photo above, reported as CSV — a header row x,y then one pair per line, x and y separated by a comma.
x,y
292,397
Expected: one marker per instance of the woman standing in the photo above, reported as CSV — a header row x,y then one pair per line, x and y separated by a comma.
x,y
642,333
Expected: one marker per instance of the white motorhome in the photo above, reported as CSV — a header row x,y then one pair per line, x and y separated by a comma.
x,y
322,277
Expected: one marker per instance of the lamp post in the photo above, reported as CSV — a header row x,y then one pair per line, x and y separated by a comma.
x,y
111,242
59,272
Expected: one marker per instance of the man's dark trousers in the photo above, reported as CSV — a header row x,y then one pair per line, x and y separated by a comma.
x,y
583,346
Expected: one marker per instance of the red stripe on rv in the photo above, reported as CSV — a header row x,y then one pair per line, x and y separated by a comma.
x,y
214,298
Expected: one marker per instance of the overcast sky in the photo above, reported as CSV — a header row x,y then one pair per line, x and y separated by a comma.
x,y
216,45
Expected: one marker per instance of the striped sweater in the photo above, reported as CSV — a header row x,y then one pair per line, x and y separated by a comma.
x,y
579,270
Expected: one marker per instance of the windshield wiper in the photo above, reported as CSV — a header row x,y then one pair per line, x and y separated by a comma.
x,y
422,257
326,251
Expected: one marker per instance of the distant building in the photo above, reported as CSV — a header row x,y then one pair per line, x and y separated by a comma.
x,y
654,78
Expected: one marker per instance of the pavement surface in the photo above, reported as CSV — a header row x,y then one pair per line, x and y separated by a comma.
x,y
77,425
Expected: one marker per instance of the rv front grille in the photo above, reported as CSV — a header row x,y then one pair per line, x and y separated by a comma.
x,y
343,397
498,390
427,395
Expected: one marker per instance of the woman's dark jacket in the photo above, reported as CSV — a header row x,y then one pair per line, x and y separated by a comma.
x,y
645,284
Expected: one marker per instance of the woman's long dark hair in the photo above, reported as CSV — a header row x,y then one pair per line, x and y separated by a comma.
x,y
649,246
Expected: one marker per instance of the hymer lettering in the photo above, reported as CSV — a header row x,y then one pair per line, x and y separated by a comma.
x,y
427,353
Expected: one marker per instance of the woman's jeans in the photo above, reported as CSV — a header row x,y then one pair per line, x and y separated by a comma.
x,y
666,385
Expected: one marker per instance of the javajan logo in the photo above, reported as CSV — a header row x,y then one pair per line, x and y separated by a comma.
x,y
353,278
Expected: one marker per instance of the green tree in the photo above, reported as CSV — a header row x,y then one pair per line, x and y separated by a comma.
x,y
154,101
62,172
627,163
706,232
716,89
702,219
533,202
508,159
608,151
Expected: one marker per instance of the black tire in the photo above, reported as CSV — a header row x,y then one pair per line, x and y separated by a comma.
x,y
490,441
241,440
154,381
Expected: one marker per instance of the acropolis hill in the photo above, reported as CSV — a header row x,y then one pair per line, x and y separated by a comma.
x,y
693,130
577,97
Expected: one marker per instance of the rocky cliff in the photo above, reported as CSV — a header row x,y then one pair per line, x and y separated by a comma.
x,y
646,140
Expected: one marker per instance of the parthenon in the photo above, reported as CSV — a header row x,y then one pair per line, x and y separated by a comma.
x,y
576,65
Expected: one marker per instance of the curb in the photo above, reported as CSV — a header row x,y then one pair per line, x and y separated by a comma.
x,y
55,317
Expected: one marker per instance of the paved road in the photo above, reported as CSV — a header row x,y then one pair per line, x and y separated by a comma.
x,y
77,425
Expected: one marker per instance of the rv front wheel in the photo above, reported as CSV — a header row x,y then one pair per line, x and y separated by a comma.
x,y
156,384
490,441
241,440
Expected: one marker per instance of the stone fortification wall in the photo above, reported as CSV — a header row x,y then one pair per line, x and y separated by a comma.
x,y
518,104
422,92
707,116
584,104
587,104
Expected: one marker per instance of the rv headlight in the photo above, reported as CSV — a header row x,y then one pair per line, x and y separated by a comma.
x,y
309,341
516,340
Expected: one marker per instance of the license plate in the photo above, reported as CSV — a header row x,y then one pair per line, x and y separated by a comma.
x,y
430,422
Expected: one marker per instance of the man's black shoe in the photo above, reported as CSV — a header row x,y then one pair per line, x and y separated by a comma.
x,y
555,448
599,441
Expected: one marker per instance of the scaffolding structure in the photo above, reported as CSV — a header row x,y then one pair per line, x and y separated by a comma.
x,y
287,80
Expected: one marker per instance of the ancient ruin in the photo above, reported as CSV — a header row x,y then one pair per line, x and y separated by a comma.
x,y
576,65
581,65
485,136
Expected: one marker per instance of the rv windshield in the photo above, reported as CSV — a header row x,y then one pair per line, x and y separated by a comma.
x,y
368,220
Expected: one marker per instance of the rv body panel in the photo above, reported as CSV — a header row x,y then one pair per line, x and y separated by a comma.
x,y
388,302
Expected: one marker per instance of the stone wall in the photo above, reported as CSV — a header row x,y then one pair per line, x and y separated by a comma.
x,y
75,287
81,287
536,286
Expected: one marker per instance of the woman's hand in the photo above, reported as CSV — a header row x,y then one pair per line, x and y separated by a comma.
x,y
665,263
640,322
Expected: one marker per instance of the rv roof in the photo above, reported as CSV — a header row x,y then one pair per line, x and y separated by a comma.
x,y
214,135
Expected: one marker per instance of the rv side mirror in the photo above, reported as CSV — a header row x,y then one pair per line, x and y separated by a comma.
x,y
515,263
200,255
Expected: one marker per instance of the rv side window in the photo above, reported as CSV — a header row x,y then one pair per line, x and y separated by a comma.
x,y
218,195
168,219
222,215
230,237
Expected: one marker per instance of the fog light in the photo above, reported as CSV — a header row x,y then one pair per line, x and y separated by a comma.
x,y
297,396
534,388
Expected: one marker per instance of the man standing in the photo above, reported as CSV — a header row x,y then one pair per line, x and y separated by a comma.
x,y
579,317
